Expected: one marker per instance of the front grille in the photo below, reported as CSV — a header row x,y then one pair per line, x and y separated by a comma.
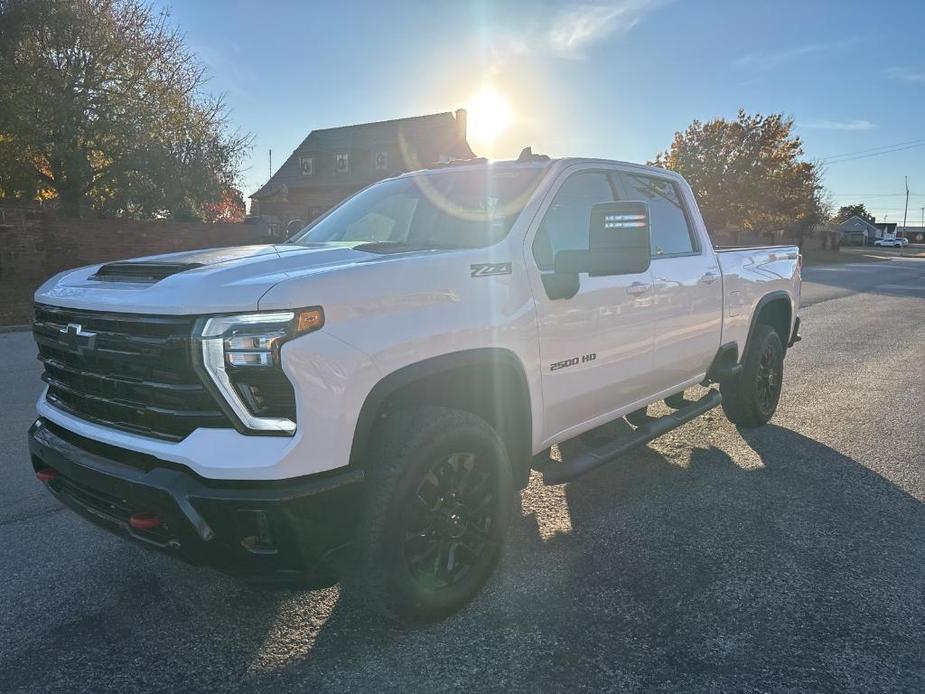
x,y
131,372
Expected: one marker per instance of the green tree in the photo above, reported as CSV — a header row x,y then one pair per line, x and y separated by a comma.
x,y
848,211
749,175
102,104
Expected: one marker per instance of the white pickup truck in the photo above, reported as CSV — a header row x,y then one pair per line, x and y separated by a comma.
x,y
364,401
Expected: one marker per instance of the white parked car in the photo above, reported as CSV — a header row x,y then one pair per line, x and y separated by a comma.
x,y
890,243
363,401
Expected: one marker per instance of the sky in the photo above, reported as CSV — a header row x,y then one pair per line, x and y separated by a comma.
x,y
612,79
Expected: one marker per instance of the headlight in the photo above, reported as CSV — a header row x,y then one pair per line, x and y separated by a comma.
x,y
241,358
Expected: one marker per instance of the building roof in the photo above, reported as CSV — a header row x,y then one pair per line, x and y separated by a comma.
x,y
427,138
856,223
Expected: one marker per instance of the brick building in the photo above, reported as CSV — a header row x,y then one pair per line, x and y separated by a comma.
x,y
333,163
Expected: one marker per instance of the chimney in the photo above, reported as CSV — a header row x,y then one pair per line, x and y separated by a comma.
x,y
461,123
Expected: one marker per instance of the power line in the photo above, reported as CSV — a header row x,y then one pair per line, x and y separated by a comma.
x,y
871,149
875,154
876,195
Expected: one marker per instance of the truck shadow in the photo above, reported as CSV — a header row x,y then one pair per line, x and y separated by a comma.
x,y
802,572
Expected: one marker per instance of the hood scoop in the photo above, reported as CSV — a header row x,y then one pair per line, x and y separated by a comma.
x,y
140,272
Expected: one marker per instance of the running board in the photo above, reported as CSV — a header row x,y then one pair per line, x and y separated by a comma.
x,y
557,473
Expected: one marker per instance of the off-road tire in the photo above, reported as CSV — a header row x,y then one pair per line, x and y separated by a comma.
x,y
408,445
750,398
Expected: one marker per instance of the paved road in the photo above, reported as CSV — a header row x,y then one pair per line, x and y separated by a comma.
x,y
788,558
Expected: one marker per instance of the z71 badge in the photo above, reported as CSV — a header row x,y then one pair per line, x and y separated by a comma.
x,y
488,269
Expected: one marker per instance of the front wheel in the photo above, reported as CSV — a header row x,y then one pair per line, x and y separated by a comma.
x,y
438,508
750,398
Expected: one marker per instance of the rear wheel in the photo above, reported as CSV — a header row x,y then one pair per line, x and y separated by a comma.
x,y
438,510
750,398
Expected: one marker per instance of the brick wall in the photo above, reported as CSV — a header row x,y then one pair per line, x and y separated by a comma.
x,y
35,245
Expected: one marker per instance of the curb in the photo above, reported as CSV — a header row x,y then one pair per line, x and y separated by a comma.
x,y
14,328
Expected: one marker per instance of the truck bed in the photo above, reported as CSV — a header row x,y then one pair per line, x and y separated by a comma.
x,y
750,274
777,247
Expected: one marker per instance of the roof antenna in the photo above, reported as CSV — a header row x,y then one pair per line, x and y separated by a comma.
x,y
526,154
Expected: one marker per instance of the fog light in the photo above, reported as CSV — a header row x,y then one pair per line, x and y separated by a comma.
x,y
255,528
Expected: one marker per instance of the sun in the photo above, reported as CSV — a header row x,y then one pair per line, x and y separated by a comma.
x,y
489,115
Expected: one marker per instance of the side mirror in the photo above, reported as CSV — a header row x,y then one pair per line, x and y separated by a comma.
x,y
618,242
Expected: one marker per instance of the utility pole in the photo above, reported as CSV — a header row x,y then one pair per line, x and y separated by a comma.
x,y
905,214
271,165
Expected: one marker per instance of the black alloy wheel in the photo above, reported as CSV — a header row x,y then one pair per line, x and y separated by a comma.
x,y
750,397
768,377
449,520
440,497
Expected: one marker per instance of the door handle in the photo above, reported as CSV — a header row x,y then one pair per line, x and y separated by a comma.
x,y
709,277
638,288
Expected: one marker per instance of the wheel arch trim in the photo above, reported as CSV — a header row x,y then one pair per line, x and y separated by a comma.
x,y
418,372
778,295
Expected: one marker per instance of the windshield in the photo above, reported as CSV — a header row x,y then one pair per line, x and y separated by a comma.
x,y
447,209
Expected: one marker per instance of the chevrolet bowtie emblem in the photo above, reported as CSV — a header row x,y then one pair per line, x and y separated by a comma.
x,y
77,339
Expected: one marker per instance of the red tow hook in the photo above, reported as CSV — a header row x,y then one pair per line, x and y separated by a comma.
x,y
144,521
46,475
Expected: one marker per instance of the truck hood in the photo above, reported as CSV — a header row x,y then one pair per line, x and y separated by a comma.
x,y
215,280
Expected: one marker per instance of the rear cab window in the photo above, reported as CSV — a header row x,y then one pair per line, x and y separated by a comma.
x,y
672,234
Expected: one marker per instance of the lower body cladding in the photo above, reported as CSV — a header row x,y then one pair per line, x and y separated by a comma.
x,y
296,531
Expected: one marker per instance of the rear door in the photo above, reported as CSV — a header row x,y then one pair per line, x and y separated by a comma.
x,y
688,292
595,346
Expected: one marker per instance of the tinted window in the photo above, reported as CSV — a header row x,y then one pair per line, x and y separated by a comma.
x,y
670,233
567,221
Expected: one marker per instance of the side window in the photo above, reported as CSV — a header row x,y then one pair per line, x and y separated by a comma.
x,y
671,234
566,224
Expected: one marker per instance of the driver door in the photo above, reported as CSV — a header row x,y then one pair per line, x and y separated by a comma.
x,y
595,346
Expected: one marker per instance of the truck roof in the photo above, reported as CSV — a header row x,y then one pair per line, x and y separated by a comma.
x,y
535,162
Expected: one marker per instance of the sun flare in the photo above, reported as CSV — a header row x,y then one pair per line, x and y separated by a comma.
x,y
490,115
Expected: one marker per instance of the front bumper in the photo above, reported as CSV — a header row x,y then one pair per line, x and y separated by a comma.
x,y
295,530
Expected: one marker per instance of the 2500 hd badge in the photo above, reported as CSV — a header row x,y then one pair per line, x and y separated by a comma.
x,y
574,361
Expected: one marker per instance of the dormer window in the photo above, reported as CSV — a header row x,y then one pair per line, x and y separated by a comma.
x,y
342,162
306,165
